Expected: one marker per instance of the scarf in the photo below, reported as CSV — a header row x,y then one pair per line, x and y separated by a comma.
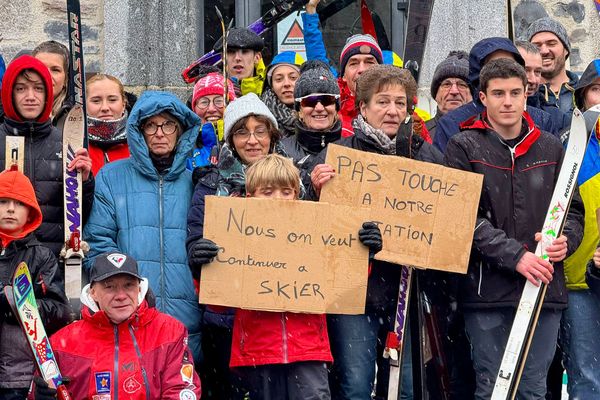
x,y
285,116
314,141
101,132
376,136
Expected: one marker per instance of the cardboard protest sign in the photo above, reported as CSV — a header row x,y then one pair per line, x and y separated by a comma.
x,y
280,255
426,212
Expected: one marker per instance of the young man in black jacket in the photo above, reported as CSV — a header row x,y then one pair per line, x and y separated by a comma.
x,y
520,165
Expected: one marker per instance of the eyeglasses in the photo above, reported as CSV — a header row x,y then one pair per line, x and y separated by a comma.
x,y
259,133
204,102
460,85
167,127
314,99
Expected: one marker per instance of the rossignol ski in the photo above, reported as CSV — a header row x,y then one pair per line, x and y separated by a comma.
x,y
530,304
74,138
262,26
72,253
22,299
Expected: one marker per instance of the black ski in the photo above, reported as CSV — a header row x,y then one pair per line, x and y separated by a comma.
x,y
419,17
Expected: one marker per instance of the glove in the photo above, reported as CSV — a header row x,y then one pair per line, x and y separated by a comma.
x,y
202,252
370,236
6,311
42,390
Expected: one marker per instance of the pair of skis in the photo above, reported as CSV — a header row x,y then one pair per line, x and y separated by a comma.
x,y
22,300
74,138
532,298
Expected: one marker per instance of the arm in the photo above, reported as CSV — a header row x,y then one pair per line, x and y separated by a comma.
x,y
48,286
178,371
101,228
491,243
313,37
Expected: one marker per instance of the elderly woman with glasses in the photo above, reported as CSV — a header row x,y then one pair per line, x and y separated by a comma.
x,y
141,205
250,133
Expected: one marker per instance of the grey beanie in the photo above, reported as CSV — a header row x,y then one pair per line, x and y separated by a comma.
x,y
315,78
243,107
548,24
456,65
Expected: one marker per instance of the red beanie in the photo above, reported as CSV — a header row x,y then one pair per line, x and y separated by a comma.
x,y
209,85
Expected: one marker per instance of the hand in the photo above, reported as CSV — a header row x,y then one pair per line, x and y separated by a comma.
x,y
202,252
42,390
82,163
311,6
557,251
370,236
533,268
321,174
597,258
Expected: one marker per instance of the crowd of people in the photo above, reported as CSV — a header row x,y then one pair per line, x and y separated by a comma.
x,y
503,110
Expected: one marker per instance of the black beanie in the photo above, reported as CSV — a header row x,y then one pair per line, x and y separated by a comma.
x,y
315,77
241,38
456,65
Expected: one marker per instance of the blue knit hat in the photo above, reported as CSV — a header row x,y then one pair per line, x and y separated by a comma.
x,y
289,58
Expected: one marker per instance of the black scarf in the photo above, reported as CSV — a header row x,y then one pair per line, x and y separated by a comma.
x,y
285,116
314,141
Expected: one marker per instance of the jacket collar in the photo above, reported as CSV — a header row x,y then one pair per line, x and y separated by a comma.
x,y
529,131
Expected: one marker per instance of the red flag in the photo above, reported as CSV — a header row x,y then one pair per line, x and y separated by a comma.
x,y
367,19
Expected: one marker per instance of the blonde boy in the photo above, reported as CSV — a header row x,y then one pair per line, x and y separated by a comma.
x,y
274,176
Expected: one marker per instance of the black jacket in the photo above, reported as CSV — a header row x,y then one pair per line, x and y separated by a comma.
x,y
43,166
384,279
48,287
512,208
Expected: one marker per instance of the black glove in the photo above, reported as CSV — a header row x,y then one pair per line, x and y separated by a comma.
x,y
202,252
370,236
42,390
6,311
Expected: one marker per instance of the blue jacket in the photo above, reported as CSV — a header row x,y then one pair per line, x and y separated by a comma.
x,y
313,41
449,124
143,213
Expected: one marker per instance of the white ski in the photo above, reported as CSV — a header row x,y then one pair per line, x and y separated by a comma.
x,y
530,304
72,252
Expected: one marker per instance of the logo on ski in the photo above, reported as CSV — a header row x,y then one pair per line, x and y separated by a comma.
x,y
72,191
76,57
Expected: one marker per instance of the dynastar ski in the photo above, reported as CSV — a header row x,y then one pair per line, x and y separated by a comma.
x,y
22,299
74,138
280,10
394,344
532,298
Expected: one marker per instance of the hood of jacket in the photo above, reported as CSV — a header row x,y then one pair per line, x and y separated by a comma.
x,y
151,103
481,50
15,185
591,73
8,82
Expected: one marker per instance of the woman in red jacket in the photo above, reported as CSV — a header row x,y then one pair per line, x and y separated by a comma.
x,y
106,117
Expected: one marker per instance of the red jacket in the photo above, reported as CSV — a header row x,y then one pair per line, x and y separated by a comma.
x,y
348,110
145,357
263,337
101,156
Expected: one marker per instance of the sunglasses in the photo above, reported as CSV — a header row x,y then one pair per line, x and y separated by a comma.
x,y
314,99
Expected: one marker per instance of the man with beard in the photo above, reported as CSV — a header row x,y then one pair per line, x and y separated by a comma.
x,y
449,86
553,41
533,68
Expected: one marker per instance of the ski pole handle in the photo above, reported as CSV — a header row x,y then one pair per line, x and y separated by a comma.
x,y
62,393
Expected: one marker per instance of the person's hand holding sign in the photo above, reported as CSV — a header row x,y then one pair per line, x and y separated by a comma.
x,y
321,174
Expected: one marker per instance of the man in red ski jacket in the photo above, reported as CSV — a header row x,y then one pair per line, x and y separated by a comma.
x,y
123,347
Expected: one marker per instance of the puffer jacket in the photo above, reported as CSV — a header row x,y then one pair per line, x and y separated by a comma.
x,y
16,360
143,212
519,178
43,156
145,357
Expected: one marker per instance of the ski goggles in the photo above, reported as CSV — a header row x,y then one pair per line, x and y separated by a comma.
x,y
314,99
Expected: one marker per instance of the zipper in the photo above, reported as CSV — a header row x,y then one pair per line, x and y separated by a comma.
x,y
161,242
116,380
323,141
139,355
284,337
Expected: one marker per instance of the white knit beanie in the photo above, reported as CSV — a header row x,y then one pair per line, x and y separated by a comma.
x,y
242,107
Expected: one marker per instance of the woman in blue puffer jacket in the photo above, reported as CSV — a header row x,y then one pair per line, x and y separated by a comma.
x,y
141,205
